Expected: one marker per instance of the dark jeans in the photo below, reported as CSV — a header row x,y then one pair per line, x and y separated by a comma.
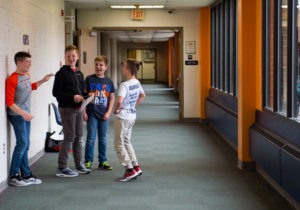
x,y
72,122
20,155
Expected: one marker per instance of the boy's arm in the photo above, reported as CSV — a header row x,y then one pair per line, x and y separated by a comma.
x,y
110,106
45,79
19,111
142,96
118,104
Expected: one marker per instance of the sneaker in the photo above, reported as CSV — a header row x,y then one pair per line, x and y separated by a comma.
x,y
105,166
138,170
17,181
88,164
82,169
32,179
128,176
66,172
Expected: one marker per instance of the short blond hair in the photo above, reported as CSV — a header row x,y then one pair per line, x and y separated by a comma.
x,y
70,48
101,58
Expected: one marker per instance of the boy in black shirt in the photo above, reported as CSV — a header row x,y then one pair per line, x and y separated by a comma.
x,y
98,112
68,90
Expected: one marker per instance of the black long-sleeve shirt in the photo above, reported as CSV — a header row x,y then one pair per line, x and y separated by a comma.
x,y
68,83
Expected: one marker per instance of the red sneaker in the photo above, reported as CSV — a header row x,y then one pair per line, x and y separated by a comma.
x,y
128,176
138,170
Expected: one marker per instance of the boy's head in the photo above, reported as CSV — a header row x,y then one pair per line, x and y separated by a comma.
x,y
71,55
23,61
131,66
101,65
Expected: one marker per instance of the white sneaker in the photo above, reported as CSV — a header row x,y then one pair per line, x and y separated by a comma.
x,y
18,182
32,180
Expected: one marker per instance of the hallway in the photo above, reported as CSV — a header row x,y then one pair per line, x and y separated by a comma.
x,y
186,166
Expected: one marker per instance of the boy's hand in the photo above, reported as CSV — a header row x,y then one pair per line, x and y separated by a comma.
x,y
47,77
78,98
106,116
117,111
28,117
85,116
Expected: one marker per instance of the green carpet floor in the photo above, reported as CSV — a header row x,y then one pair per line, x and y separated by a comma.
x,y
186,166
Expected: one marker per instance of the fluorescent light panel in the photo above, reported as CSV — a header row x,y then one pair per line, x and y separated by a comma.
x,y
134,7
122,6
151,6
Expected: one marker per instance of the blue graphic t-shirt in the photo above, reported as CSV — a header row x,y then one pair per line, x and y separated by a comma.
x,y
102,88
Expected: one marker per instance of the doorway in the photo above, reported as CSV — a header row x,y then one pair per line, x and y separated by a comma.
x,y
147,57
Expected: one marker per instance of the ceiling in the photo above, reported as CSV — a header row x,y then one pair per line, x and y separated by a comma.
x,y
138,36
145,36
169,4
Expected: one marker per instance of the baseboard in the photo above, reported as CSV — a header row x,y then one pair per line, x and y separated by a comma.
x,y
36,157
195,120
246,165
278,188
32,160
3,186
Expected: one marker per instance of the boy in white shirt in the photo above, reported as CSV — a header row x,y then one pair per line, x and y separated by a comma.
x,y
130,95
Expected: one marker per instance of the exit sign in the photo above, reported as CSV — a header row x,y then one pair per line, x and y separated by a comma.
x,y
137,14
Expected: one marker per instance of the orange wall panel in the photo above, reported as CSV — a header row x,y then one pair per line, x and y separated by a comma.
x,y
249,71
204,58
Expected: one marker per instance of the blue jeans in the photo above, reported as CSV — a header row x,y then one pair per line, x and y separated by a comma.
x,y
20,154
94,125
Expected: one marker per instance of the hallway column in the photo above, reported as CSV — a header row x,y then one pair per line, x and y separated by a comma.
x,y
167,62
171,54
113,61
249,73
204,58
105,50
176,61
119,66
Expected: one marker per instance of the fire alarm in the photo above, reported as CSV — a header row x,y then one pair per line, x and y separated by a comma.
x,y
62,13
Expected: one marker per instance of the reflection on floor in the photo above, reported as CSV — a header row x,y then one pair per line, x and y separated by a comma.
x,y
186,166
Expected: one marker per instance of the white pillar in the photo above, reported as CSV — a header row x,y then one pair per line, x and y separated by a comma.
x,y
119,68
105,50
113,61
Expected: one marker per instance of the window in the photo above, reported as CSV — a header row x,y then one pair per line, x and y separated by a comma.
x,y
224,46
281,57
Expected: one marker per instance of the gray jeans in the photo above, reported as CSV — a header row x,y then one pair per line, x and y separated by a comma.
x,y
72,122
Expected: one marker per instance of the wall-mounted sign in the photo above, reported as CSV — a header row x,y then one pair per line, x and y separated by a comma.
x,y
191,62
25,39
137,14
69,18
190,57
190,47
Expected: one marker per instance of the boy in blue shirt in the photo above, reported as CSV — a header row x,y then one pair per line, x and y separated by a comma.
x,y
97,113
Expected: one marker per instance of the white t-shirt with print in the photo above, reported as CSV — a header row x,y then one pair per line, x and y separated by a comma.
x,y
130,91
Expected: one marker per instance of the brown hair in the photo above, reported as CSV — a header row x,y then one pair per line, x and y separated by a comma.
x,y
133,66
102,58
70,48
20,56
